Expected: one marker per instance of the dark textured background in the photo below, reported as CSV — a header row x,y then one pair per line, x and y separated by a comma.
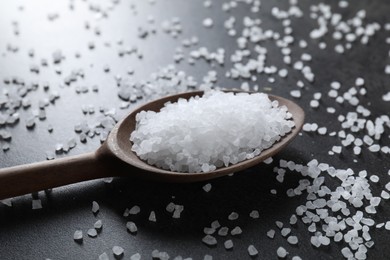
x,y
48,232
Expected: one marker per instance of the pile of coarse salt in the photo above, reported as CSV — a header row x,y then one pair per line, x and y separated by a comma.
x,y
204,133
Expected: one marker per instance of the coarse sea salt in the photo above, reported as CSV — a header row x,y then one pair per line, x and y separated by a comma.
x,y
204,133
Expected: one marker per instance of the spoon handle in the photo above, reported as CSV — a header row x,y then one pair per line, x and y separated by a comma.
x,y
23,179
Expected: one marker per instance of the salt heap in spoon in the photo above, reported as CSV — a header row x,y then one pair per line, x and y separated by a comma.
x,y
204,133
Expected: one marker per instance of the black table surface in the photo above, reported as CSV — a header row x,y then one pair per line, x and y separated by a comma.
x,y
33,30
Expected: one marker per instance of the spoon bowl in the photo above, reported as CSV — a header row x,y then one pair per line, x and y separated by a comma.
x,y
116,158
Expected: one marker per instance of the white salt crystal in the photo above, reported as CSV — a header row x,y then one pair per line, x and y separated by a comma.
x,y
207,187
283,73
254,214
314,103
385,195
215,224
233,216
152,216
170,207
336,149
223,231
95,207
285,231
315,241
134,210
228,244
380,225
117,251
271,233
322,130
293,240
386,97
136,256
104,256
208,231
281,252
347,253
293,219
387,69
36,204
92,232
78,235
209,240
357,150
236,231
178,210
387,225
359,82
208,22
374,178
98,225
206,257
374,201
252,251
374,148
295,93
131,227
279,224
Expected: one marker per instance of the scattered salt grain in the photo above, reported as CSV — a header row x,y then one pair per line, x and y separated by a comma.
x,y
98,225
295,93
336,149
252,251
285,231
387,225
209,240
117,251
207,187
223,231
293,240
208,22
254,214
95,207
215,224
271,233
206,257
92,232
78,235
374,178
136,256
281,252
36,204
104,256
236,231
385,195
386,97
228,244
293,219
233,216
134,210
131,227
152,216
279,224
296,258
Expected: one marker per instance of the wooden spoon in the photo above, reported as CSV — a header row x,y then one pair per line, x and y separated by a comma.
x,y
115,158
